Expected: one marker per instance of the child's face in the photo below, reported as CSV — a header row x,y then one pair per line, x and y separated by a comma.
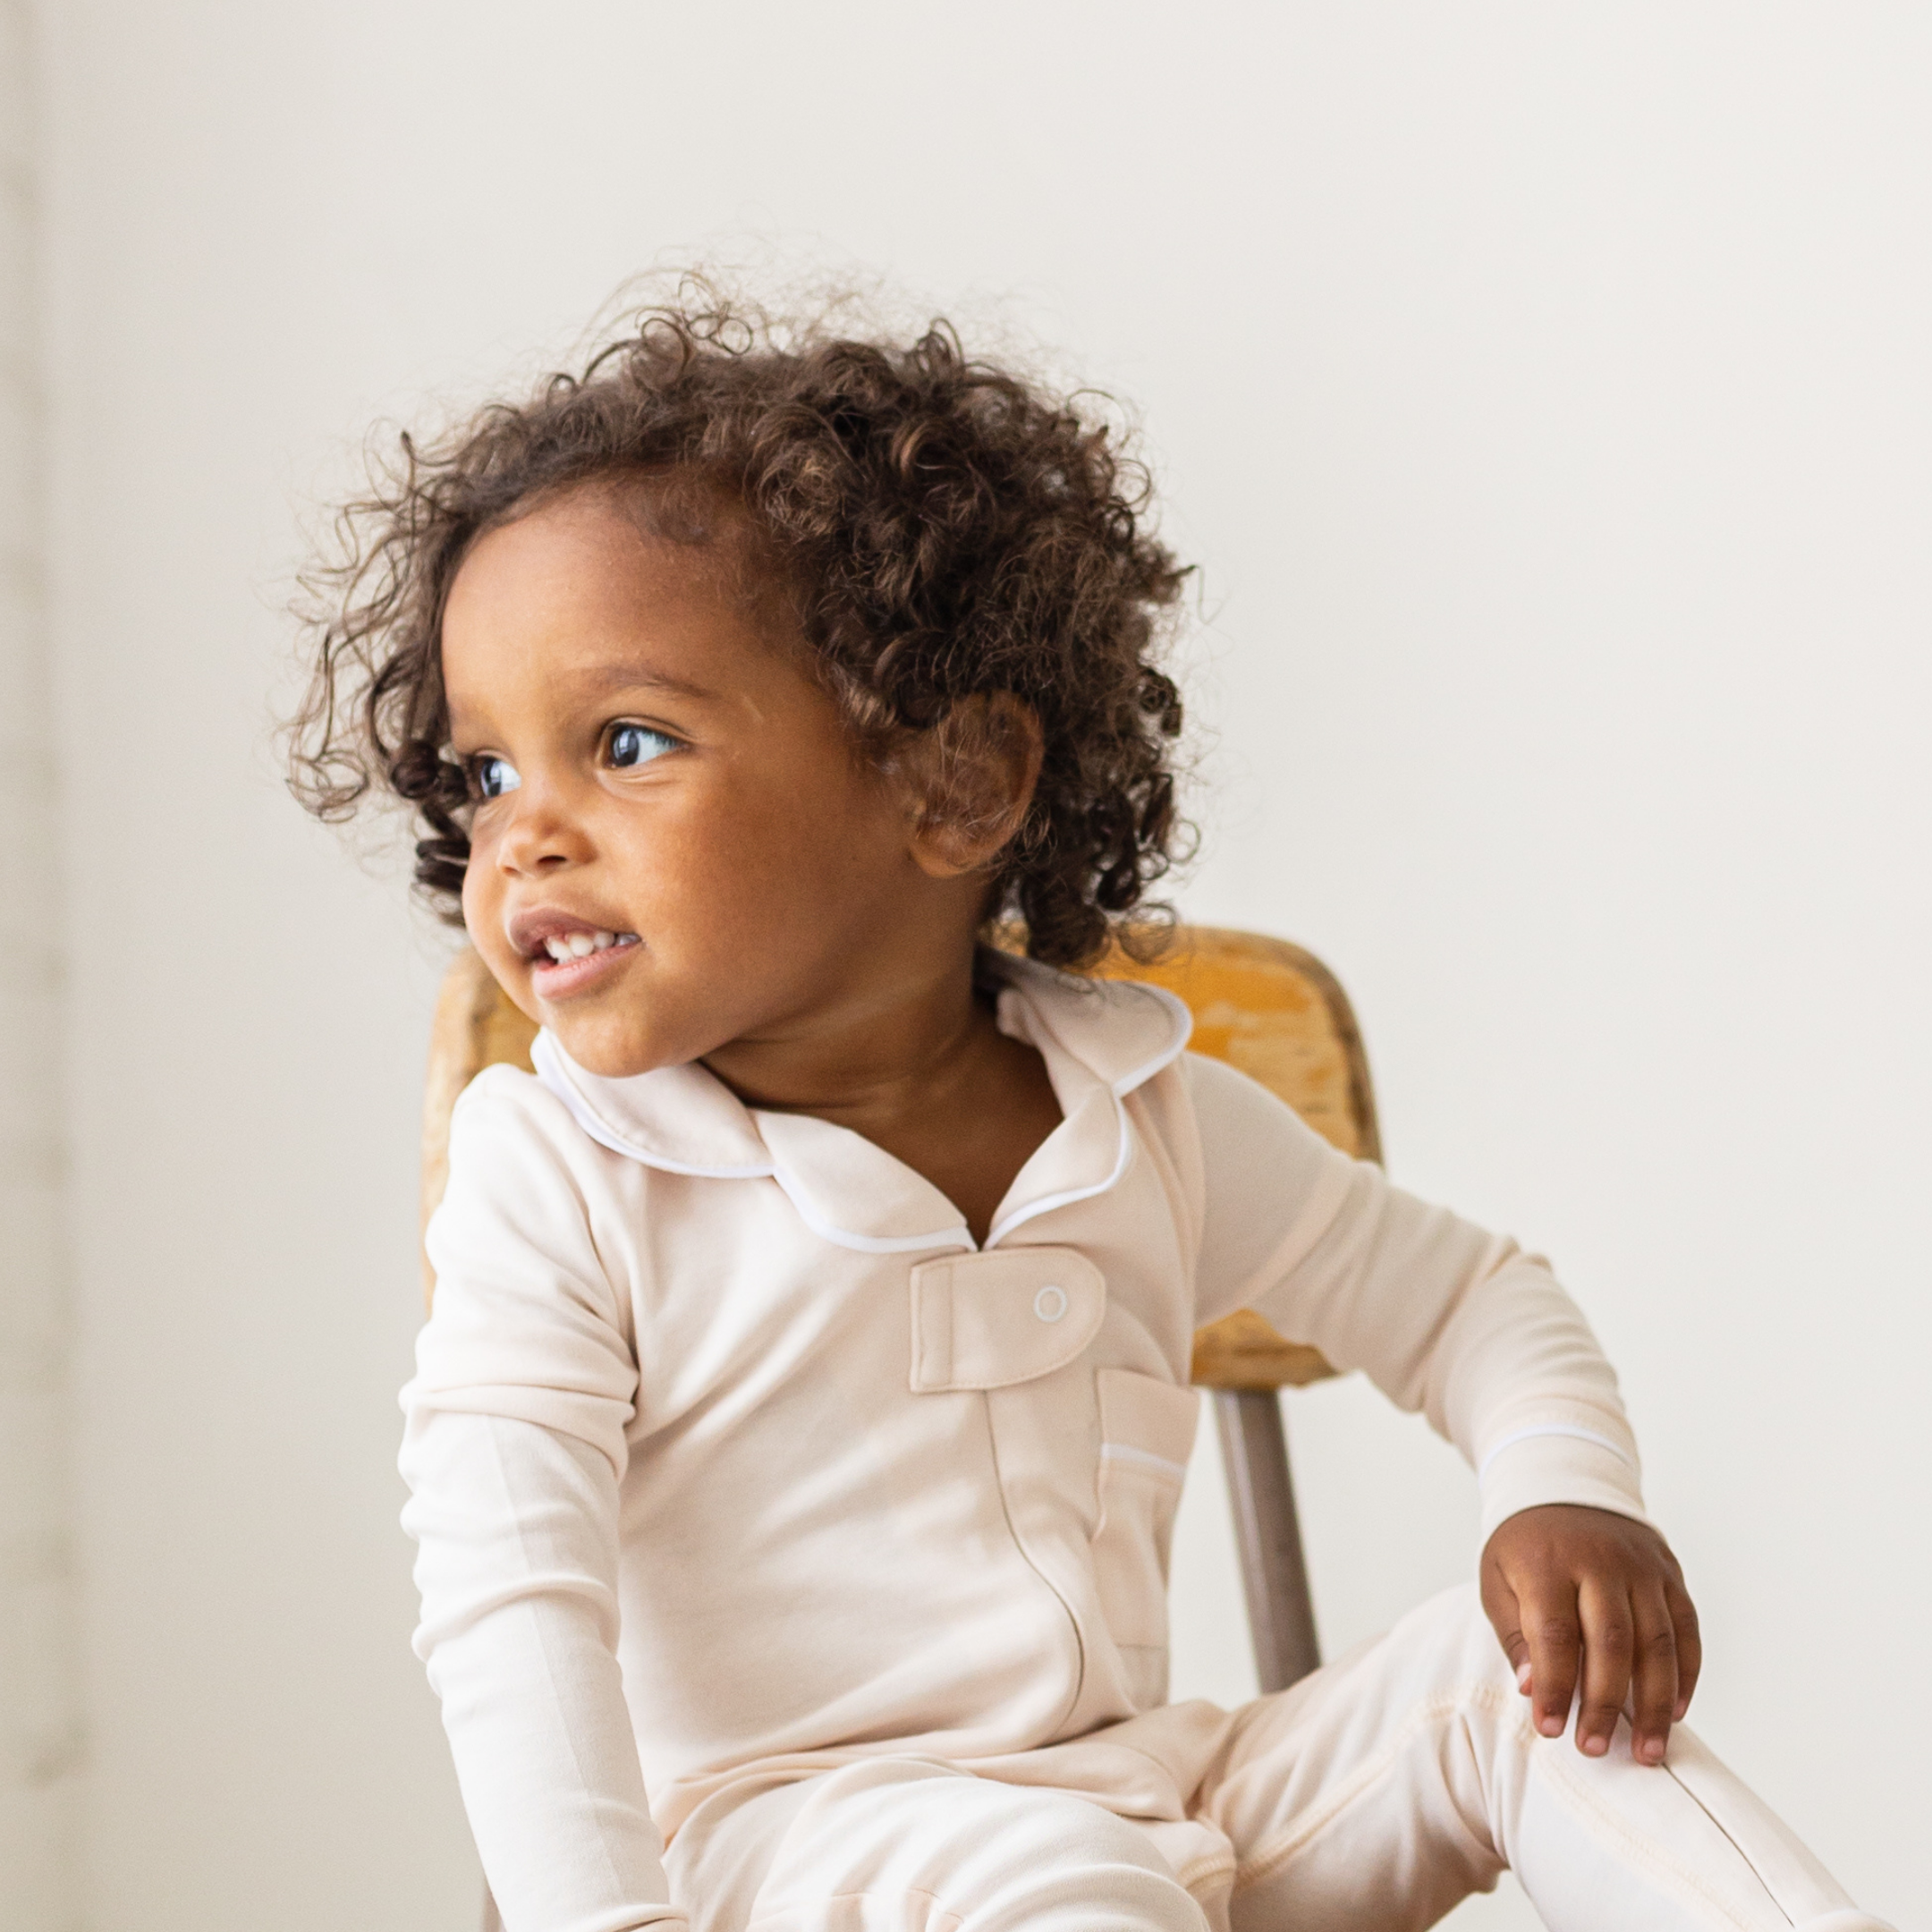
x,y
667,799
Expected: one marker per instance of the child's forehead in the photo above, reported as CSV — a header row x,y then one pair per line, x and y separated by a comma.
x,y
642,542
598,522
565,557
576,601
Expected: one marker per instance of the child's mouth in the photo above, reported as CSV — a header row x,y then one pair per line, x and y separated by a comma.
x,y
576,960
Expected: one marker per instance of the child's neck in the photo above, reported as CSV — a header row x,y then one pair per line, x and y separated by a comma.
x,y
917,1065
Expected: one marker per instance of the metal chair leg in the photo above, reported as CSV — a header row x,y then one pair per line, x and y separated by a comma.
x,y
1281,1615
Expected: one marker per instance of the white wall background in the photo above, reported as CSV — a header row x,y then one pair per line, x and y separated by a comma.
x,y
39,1733
1544,392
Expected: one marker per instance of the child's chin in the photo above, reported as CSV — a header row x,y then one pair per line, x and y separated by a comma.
x,y
611,1051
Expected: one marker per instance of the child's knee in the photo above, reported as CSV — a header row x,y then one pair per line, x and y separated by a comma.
x,y
1449,1641
998,1857
1072,1867
886,1847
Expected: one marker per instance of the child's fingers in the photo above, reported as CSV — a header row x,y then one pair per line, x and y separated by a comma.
x,y
1591,1606
1505,1616
1654,1693
1689,1644
1549,1619
1609,1640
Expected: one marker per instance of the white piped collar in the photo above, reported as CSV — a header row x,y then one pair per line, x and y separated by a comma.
x,y
1100,1039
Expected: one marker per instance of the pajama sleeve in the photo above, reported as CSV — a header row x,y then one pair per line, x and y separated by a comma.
x,y
1441,1316
513,1450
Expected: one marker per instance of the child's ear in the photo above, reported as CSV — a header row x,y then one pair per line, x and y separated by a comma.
x,y
972,777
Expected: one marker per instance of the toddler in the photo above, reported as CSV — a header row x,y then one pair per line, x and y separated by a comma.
x,y
795,1441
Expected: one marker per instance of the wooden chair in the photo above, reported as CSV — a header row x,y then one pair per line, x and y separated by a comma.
x,y
1266,1007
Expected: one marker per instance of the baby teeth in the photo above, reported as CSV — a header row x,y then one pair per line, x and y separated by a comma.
x,y
564,947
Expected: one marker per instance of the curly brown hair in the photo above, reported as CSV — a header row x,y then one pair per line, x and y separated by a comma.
x,y
946,528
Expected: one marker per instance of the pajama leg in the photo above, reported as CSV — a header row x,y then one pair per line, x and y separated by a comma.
x,y
906,1845
1373,1795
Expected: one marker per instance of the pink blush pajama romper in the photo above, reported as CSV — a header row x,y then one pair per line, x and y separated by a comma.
x,y
789,1561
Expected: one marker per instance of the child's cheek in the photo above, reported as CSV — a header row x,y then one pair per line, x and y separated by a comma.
x,y
481,914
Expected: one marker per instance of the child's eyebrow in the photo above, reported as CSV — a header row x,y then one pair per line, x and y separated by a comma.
x,y
600,679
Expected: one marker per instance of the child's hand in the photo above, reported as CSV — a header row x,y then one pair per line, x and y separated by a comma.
x,y
1571,1589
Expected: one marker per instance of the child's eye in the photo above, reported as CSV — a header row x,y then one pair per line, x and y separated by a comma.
x,y
493,776
638,744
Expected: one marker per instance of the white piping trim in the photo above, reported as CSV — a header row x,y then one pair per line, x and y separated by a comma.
x,y
546,1058
1177,1011
1182,1015
1113,1452
1047,1203
951,1237
1554,1428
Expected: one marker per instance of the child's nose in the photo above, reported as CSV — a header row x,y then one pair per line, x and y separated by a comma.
x,y
541,836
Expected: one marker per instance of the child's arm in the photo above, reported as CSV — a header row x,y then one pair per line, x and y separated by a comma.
x,y
514,1450
1478,1335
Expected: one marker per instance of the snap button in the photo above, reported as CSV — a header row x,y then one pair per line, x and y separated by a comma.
x,y
1002,1317
1050,1303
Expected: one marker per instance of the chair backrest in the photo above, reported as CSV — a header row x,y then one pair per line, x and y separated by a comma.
x,y
1264,1007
